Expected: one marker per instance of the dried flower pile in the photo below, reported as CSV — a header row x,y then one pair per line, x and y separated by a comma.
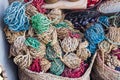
x,y
49,42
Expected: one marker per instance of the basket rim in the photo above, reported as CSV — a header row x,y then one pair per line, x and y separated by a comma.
x,y
82,77
105,66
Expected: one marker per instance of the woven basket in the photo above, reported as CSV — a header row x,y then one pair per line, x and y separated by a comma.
x,y
29,75
103,72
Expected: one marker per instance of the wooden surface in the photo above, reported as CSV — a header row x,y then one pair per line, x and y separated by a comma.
x,y
64,4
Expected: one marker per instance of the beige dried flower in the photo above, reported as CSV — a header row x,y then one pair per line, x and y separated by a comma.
x,y
82,51
47,36
72,60
23,61
11,35
45,65
31,10
38,53
69,44
56,15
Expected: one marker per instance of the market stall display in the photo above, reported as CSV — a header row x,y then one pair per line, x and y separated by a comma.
x,y
47,42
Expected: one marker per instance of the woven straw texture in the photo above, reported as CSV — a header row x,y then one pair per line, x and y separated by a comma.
x,y
29,75
102,72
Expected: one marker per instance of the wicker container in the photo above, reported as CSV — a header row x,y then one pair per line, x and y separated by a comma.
x,y
103,72
29,75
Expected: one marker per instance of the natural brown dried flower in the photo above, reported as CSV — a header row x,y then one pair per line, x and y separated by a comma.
x,y
45,65
31,10
82,51
69,44
11,35
72,60
38,53
23,60
56,16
